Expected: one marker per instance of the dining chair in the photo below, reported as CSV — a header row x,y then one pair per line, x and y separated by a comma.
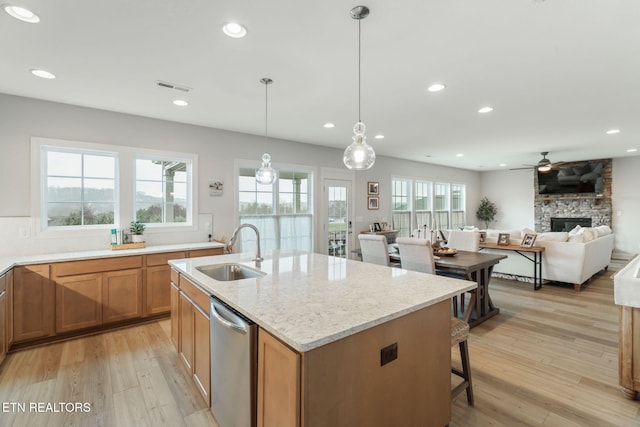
x,y
374,249
417,255
464,240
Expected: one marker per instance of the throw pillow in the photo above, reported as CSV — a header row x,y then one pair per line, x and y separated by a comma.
x,y
596,168
576,230
565,172
603,230
589,177
527,231
581,170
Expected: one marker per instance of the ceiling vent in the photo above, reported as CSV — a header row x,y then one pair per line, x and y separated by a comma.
x,y
167,85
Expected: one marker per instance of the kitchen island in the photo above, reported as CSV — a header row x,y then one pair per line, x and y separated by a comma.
x,y
326,325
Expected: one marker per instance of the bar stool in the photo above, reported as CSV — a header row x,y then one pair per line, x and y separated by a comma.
x,y
459,335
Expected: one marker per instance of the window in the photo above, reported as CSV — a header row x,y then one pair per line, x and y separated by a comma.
x,y
282,211
161,193
418,204
400,206
86,188
80,188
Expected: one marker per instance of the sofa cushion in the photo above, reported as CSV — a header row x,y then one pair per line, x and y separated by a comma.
x,y
581,170
565,172
589,177
596,168
575,230
553,236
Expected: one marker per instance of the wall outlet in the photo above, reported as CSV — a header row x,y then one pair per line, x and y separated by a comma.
x,y
389,354
25,232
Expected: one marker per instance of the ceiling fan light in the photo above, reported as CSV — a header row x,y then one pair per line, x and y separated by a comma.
x,y
544,168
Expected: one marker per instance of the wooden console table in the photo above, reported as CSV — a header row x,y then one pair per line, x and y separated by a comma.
x,y
524,251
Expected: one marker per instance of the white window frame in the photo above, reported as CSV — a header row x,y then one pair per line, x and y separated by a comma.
x,y
125,187
312,171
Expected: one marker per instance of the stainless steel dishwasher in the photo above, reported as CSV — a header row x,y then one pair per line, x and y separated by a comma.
x,y
233,367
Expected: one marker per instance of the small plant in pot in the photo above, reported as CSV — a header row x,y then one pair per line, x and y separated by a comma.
x,y
137,229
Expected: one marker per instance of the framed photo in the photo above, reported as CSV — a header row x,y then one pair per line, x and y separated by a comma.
x,y
483,236
503,239
373,188
527,240
376,226
373,202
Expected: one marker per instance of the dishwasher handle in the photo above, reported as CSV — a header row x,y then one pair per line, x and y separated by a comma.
x,y
236,324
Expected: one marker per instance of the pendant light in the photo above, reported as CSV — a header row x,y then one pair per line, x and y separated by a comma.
x,y
266,175
359,155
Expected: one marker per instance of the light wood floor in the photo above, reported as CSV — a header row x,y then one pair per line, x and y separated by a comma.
x,y
548,359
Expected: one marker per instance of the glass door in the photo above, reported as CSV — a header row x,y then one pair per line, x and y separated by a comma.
x,y
337,227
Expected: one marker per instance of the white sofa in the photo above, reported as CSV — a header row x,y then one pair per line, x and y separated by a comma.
x,y
626,285
572,257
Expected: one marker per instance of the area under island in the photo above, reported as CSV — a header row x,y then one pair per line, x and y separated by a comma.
x,y
325,327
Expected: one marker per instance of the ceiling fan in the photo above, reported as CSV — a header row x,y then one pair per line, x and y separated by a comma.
x,y
544,165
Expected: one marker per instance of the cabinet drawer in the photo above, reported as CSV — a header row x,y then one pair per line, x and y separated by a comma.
x,y
95,265
161,259
175,277
205,252
197,296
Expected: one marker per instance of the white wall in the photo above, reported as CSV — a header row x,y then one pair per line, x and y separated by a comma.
x,y
626,204
22,118
513,193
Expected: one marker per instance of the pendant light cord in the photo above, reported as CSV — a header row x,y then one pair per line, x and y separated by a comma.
x,y
359,67
266,109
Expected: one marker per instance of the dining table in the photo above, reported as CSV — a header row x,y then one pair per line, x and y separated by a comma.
x,y
473,266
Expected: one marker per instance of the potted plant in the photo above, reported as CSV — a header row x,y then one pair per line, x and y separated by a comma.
x,y
486,211
137,229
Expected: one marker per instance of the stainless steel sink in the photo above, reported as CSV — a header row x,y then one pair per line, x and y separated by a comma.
x,y
229,272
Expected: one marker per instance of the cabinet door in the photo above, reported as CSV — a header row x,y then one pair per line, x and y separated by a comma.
x,y
278,383
3,325
158,290
175,316
78,302
186,331
9,317
121,295
201,354
33,303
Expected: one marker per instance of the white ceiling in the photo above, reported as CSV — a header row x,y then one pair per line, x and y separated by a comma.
x,y
559,73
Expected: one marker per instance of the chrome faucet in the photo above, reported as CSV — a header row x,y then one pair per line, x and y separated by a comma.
x,y
258,259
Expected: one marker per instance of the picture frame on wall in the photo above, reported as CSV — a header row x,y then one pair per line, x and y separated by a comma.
x,y
527,240
503,239
373,188
373,202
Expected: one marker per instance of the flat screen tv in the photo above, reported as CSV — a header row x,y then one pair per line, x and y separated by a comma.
x,y
578,178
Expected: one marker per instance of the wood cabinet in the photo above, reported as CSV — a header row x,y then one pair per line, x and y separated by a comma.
x,y
345,383
3,317
190,332
278,383
157,288
122,295
629,350
33,303
204,252
78,302
9,317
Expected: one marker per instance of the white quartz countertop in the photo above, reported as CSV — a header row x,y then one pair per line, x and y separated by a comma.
x,y
308,300
626,284
10,262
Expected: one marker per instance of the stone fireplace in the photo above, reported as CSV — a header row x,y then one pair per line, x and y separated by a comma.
x,y
593,209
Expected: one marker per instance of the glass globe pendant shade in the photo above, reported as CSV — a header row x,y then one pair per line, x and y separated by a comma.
x,y
359,155
266,175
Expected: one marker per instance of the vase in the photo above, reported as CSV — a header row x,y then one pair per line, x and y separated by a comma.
x,y
137,238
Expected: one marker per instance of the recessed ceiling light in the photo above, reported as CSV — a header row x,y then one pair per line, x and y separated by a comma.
x,y
329,125
632,150
43,74
484,110
503,165
459,155
180,103
234,30
379,136
21,13
436,87
613,131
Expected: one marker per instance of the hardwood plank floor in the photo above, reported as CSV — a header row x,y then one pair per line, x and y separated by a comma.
x,y
548,359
